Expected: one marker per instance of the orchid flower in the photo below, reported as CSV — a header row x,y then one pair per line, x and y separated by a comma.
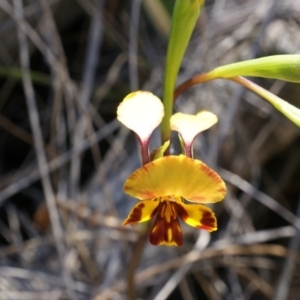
x,y
169,187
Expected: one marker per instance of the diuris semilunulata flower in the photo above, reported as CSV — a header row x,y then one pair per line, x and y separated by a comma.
x,y
169,187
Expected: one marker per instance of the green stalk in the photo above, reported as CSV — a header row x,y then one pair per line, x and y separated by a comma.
x,y
185,15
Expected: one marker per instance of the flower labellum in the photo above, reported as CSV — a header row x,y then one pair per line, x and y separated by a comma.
x,y
164,185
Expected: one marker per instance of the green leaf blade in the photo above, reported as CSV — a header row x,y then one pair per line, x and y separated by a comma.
x,y
185,15
283,67
287,109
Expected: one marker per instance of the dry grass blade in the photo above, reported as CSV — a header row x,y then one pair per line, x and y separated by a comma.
x,y
84,123
39,145
256,282
282,289
32,174
178,276
133,45
261,197
32,296
159,16
207,286
194,256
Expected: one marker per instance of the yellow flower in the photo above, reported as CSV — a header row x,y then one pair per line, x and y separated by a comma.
x,y
164,185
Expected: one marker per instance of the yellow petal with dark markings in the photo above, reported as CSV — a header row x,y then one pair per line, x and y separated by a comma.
x,y
176,176
197,215
142,212
166,229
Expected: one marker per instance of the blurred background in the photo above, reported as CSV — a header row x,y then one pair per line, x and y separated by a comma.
x,y
64,67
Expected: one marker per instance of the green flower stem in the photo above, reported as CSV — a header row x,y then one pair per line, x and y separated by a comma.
x,y
185,15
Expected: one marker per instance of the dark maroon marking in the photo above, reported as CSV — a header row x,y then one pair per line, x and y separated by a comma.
x,y
176,231
208,221
136,214
155,210
183,214
159,232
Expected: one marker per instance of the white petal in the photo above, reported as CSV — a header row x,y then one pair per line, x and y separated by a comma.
x,y
190,125
141,112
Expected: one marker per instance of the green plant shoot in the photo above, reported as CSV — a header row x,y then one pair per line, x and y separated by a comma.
x,y
185,15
